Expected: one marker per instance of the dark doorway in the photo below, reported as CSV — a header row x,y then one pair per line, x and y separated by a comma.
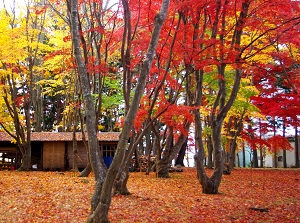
x,y
36,155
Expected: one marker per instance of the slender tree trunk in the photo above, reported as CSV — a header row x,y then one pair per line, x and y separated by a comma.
x,y
275,163
238,160
120,186
87,170
261,158
181,154
210,149
75,150
275,158
255,159
221,106
244,156
148,154
297,163
238,126
26,155
284,159
284,151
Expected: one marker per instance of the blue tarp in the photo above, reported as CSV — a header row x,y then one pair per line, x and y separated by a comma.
x,y
108,160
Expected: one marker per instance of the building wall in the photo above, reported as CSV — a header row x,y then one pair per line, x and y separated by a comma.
x,y
80,158
54,155
269,159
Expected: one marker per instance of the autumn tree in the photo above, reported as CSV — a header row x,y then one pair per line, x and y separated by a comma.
x,y
20,70
275,75
218,47
102,196
240,112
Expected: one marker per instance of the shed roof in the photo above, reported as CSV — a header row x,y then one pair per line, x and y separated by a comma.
x,y
63,136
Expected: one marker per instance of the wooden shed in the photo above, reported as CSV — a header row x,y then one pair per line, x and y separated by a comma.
x,y
58,150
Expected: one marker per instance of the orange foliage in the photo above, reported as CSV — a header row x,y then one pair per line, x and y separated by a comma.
x,y
55,197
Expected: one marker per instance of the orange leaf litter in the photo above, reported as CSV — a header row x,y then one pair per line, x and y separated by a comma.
x,y
55,197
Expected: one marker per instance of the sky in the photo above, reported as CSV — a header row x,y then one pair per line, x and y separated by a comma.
x,y
9,4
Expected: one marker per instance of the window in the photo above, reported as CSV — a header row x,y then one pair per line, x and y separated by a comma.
x,y
108,150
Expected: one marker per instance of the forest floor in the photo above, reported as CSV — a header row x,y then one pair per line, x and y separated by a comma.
x,y
247,195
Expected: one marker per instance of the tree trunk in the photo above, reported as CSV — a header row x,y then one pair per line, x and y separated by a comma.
x,y
162,168
255,159
87,170
75,150
120,186
181,154
261,158
231,163
275,164
244,156
297,163
121,183
209,185
238,126
284,151
26,138
210,149
284,159
163,165
26,157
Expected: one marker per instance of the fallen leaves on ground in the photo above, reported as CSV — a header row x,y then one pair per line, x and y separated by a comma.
x,y
247,195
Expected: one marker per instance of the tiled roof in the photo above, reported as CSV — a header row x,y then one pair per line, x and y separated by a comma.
x,y
63,136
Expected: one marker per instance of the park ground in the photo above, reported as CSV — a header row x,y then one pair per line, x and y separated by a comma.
x,y
246,195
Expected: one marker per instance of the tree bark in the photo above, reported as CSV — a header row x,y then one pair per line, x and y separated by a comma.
x,y
87,170
181,154
255,159
275,163
210,151
261,158
120,186
284,151
244,156
296,149
26,157
238,127
163,165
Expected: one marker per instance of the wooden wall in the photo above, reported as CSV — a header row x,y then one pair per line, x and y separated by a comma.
x,y
81,158
54,155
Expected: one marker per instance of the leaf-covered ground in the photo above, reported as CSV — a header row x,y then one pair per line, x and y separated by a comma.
x,y
55,197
